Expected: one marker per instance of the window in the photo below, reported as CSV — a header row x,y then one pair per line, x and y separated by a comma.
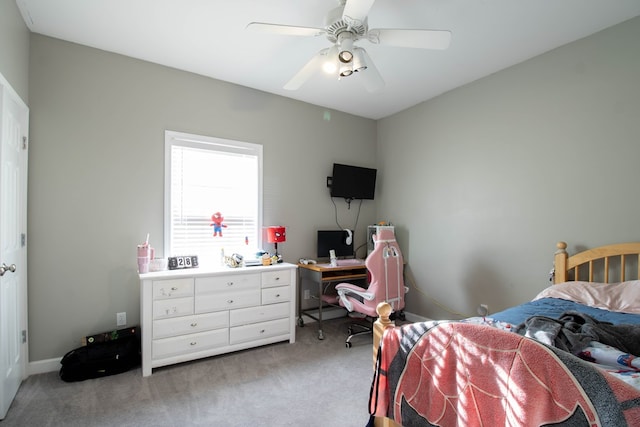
x,y
206,175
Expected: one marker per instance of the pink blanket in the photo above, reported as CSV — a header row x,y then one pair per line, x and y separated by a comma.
x,y
461,374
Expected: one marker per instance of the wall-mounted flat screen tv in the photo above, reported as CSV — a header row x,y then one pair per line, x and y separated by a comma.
x,y
353,182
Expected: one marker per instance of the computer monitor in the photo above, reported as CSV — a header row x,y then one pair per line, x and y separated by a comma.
x,y
336,240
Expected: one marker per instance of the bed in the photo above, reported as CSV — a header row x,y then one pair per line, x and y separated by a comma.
x,y
565,358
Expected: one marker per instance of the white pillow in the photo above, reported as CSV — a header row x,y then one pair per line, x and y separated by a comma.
x,y
622,297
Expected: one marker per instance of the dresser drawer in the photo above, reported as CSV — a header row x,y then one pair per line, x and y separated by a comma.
x,y
175,288
258,331
174,307
244,316
276,278
189,343
227,300
227,283
189,324
276,295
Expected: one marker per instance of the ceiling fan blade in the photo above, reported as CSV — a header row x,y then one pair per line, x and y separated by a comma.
x,y
307,71
370,76
421,39
287,30
357,10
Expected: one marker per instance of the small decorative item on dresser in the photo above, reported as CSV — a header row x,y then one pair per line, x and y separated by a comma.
x,y
266,259
233,261
178,262
145,256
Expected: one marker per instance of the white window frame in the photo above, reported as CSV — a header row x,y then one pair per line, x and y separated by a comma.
x,y
173,138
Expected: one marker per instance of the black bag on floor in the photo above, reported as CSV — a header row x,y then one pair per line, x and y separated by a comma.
x,y
116,352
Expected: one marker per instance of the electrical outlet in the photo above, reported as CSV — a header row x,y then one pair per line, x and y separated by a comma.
x,y
307,294
121,319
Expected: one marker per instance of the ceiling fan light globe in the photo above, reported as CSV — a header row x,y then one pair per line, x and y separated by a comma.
x,y
330,63
345,56
345,53
346,70
359,60
330,67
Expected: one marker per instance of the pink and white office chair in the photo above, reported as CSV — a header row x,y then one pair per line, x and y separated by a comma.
x,y
386,282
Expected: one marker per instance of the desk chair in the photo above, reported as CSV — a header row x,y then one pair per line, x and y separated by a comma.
x,y
386,283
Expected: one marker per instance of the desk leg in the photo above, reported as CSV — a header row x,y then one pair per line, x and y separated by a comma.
x,y
313,277
320,333
300,321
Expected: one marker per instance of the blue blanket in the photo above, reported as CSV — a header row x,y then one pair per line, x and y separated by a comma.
x,y
554,307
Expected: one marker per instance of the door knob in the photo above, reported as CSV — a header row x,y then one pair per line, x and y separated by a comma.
x,y
4,268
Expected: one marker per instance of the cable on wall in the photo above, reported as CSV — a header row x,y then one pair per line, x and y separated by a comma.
x,y
355,226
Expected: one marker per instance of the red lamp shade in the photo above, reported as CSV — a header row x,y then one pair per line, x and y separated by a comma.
x,y
276,234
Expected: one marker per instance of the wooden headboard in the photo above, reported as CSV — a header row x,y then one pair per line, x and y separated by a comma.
x,y
603,264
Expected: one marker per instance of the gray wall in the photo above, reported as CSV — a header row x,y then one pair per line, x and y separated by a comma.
x,y
481,182
96,175
14,48
484,180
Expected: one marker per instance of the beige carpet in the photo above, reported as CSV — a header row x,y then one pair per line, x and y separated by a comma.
x,y
309,383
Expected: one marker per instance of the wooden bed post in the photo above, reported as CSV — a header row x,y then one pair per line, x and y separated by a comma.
x,y
560,263
383,322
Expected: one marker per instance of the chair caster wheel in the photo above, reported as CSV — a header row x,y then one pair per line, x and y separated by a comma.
x,y
348,344
300,322
320,335
349,331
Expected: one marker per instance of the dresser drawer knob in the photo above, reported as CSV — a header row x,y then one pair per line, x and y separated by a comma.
x,y
229,283
229,301
277,295
174,288
193,343
277,278
194,324
262,331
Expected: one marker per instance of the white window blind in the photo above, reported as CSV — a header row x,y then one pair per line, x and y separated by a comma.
x,y
205,175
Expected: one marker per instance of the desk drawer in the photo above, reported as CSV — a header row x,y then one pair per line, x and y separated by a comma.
x,y
258,331
190,324
227,300
245,316
173,307
175,288
189,343
276,295
276,278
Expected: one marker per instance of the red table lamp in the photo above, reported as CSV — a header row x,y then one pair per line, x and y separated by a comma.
x,y
276,234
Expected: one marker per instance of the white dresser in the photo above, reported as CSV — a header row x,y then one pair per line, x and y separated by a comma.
x,y
195,313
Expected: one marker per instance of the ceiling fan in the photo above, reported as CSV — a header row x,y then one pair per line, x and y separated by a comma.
x,y
344,26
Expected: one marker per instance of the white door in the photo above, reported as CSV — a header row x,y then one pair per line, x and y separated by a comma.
x,y
14,123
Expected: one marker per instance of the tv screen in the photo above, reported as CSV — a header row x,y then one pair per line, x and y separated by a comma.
x,y
336,240
353,182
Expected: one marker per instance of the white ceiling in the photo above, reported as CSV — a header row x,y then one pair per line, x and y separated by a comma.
x,y
209,37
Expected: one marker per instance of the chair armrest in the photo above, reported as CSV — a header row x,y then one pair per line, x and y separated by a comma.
x,y
347,289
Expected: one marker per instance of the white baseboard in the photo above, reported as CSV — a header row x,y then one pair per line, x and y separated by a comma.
x,y
53,365
43,366
336,312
